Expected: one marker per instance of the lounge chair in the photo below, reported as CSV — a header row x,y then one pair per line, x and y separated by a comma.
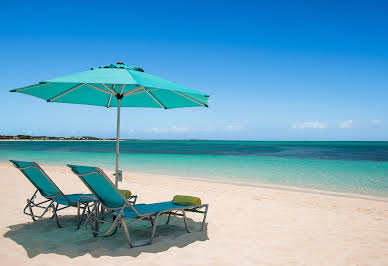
x,y
113,202
55,199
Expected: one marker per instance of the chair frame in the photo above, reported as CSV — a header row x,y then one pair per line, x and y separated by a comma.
x,y
84,202
118,217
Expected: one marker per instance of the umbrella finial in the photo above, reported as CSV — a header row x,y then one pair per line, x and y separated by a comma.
x,y
138,69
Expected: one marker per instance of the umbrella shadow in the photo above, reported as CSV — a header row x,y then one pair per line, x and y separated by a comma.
x,y
43,237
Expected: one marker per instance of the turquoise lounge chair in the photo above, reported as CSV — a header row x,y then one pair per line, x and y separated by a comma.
x,y
54,197
112,201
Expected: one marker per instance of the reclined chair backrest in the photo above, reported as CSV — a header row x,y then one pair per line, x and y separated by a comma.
x,y
38,178
100,185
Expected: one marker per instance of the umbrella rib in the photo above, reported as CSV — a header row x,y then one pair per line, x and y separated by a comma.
x,y
109,89
145,90
189,98
122,89
156,100
30,87
110,98
65,92
134,91
97,88
138,90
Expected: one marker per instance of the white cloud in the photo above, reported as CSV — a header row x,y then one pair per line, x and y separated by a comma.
x,y
173,129
376,122
314,124
234,128
155,130
131,131
346,124
179,129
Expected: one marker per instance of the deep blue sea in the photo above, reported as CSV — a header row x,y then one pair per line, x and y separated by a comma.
x,y
357,167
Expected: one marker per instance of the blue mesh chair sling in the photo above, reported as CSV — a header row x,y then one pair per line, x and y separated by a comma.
x,y
55,199
114,202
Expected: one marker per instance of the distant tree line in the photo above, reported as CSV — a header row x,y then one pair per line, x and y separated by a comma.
x,y
28,137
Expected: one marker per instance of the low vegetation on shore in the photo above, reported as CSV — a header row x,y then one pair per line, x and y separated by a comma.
x,y
28,137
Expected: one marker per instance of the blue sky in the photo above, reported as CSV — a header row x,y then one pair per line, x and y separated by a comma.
x,y
275,70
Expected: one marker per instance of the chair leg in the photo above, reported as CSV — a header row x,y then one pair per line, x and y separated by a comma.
x,y
56,215
149,242
78,214
80,217
102,211
168,219
154,229
202,224
96,224
31,204
31,212
185,222
89,216
114,218
126,233
204,217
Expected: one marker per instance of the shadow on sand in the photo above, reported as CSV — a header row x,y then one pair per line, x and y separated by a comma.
x,y
43,237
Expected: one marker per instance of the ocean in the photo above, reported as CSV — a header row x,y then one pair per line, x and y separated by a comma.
x,y
340,166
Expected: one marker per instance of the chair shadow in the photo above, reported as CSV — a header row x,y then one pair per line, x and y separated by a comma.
x,y
44,237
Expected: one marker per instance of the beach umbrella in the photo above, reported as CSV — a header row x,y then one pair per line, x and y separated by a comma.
x,y
116,85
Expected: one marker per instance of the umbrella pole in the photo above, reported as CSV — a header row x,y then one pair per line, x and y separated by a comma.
x,y
118,172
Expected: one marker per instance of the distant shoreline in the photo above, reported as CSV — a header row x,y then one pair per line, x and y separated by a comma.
x,y
44,140
150,140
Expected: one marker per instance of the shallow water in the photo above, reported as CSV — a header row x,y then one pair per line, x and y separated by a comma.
x,y
358,167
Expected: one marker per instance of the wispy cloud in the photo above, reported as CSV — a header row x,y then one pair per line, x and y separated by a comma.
x,y
376,122
346,124
173,129
234,128
313,124
181,130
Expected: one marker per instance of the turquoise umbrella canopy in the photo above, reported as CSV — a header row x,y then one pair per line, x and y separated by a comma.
x,y
116,85
104,86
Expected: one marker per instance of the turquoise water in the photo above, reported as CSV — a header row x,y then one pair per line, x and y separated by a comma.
x,y
358,167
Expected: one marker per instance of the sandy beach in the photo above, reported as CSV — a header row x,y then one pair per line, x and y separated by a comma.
x,y
246,225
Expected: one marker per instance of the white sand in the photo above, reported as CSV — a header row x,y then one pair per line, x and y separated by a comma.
x,y
260,225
